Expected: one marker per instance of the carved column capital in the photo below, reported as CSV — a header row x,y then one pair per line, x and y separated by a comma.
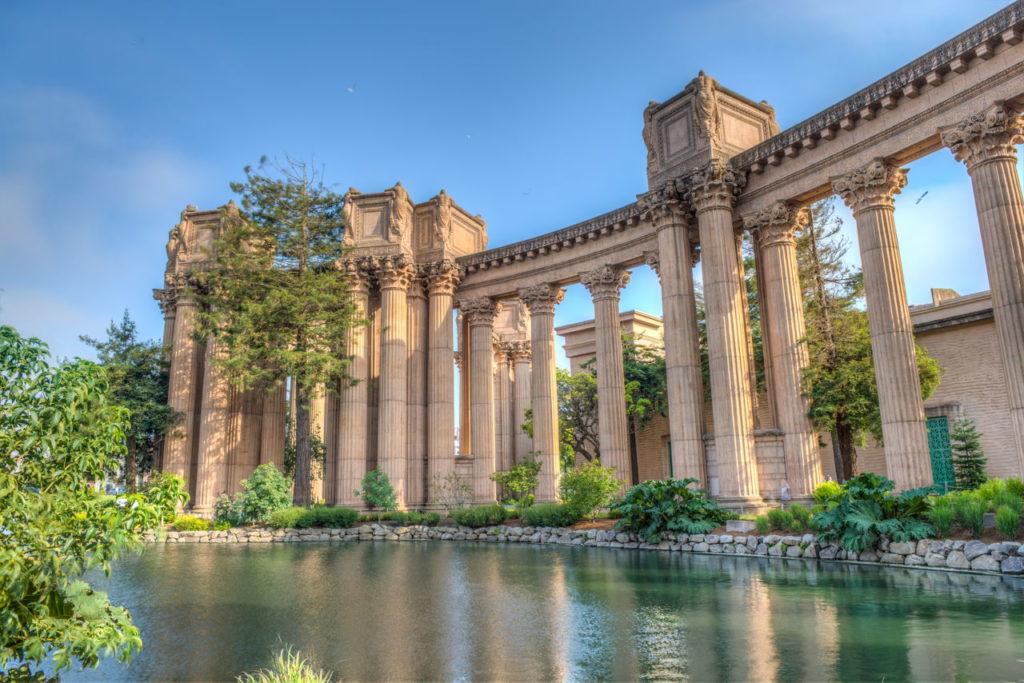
x,y
991,134
873,185
654,263
605,282
519,351
355,271
167,299
394,272
776,224
443,276
541,299
665,207
479,310
457,356
714,186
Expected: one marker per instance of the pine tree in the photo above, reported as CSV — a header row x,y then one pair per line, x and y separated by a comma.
x,y
968,458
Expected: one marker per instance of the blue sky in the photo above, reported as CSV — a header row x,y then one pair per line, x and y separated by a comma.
x,y
115,115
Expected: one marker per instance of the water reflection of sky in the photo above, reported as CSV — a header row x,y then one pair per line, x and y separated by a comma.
x,y
422,611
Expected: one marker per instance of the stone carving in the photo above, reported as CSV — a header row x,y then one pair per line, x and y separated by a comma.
x,y
175,244
443,276
873,185
443,217
479,310
715,185
541,299
664,206
708,116
605,282
777,224
167,299
986,135
394,272
652,261
348,213
648,134
519,351
400,210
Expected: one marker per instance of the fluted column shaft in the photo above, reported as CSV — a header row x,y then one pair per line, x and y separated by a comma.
x,y
183,392
272,426
480,313
521,402
986,143
212,457
541,301
441,385
674,265
394,276
712,193
612,428
353,408
417,426
503,407
774,228
869,193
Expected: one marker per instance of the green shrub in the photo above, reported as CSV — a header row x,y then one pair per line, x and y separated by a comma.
x,y
780,519
519,483
942,517
670,505
264,491
865,510
286,518
289,667
482,515
333,517
826,491
229,510
801,515
970,513
1015,486
221,526
413,517
588,488
186,523
551,514
1007,522
377,493
764,525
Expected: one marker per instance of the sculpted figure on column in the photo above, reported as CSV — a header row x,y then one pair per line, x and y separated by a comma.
x,y
987,144
711,192
869,192
673,263
604,284
541,301
775,229
480,313
442,278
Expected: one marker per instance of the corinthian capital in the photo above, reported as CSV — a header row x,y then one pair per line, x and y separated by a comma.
x,y
714,186
605,282
519,351
664,207
991,134
480,310
394,272
541,299
443,277
873,185
777,224
167,299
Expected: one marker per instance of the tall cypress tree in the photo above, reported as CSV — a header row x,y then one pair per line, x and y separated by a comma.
x,y
968,458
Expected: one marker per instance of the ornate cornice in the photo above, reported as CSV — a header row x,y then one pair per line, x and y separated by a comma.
x,y
605,281
541,299
479,310
873,185
991,134
777,224
714,186
443,276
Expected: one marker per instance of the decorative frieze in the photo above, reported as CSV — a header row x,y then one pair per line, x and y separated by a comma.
x,y
873,185
990,134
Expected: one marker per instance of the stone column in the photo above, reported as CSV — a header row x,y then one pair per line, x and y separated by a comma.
x,y
416,455
712,193
604,284
541,301
353,409
441,282
480,314
869,192
521,400
183,390
674,266
394,275
465,389
986,143
774,228
272,426
503,405
211,461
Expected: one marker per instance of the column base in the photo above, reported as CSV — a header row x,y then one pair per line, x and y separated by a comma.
x,y
741,504
202,511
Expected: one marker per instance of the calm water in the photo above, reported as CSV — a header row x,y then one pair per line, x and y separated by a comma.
x,y
448,611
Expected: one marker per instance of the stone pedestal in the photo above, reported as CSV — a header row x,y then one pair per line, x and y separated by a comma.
x,y
986,143
869,192
711,192
774,229
604,284
480,314
441,282
541,301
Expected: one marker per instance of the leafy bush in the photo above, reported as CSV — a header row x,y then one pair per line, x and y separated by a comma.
x,y
551,514
865,511
377,492
186,523
264,491
286,518
519,483
826,491
452,492
1007,522
229,510
764,525
801,517
222,526
942,517
588,488
329,517
1015,486
413,517
781,520
668,505
482,515
970,513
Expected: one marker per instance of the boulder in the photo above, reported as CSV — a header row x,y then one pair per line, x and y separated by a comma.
x,y
914,560
1012,565
891,558
935,559
906,548
957,560
985,563
973,549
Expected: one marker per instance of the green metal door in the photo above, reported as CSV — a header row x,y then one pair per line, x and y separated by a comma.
x,y
942,455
